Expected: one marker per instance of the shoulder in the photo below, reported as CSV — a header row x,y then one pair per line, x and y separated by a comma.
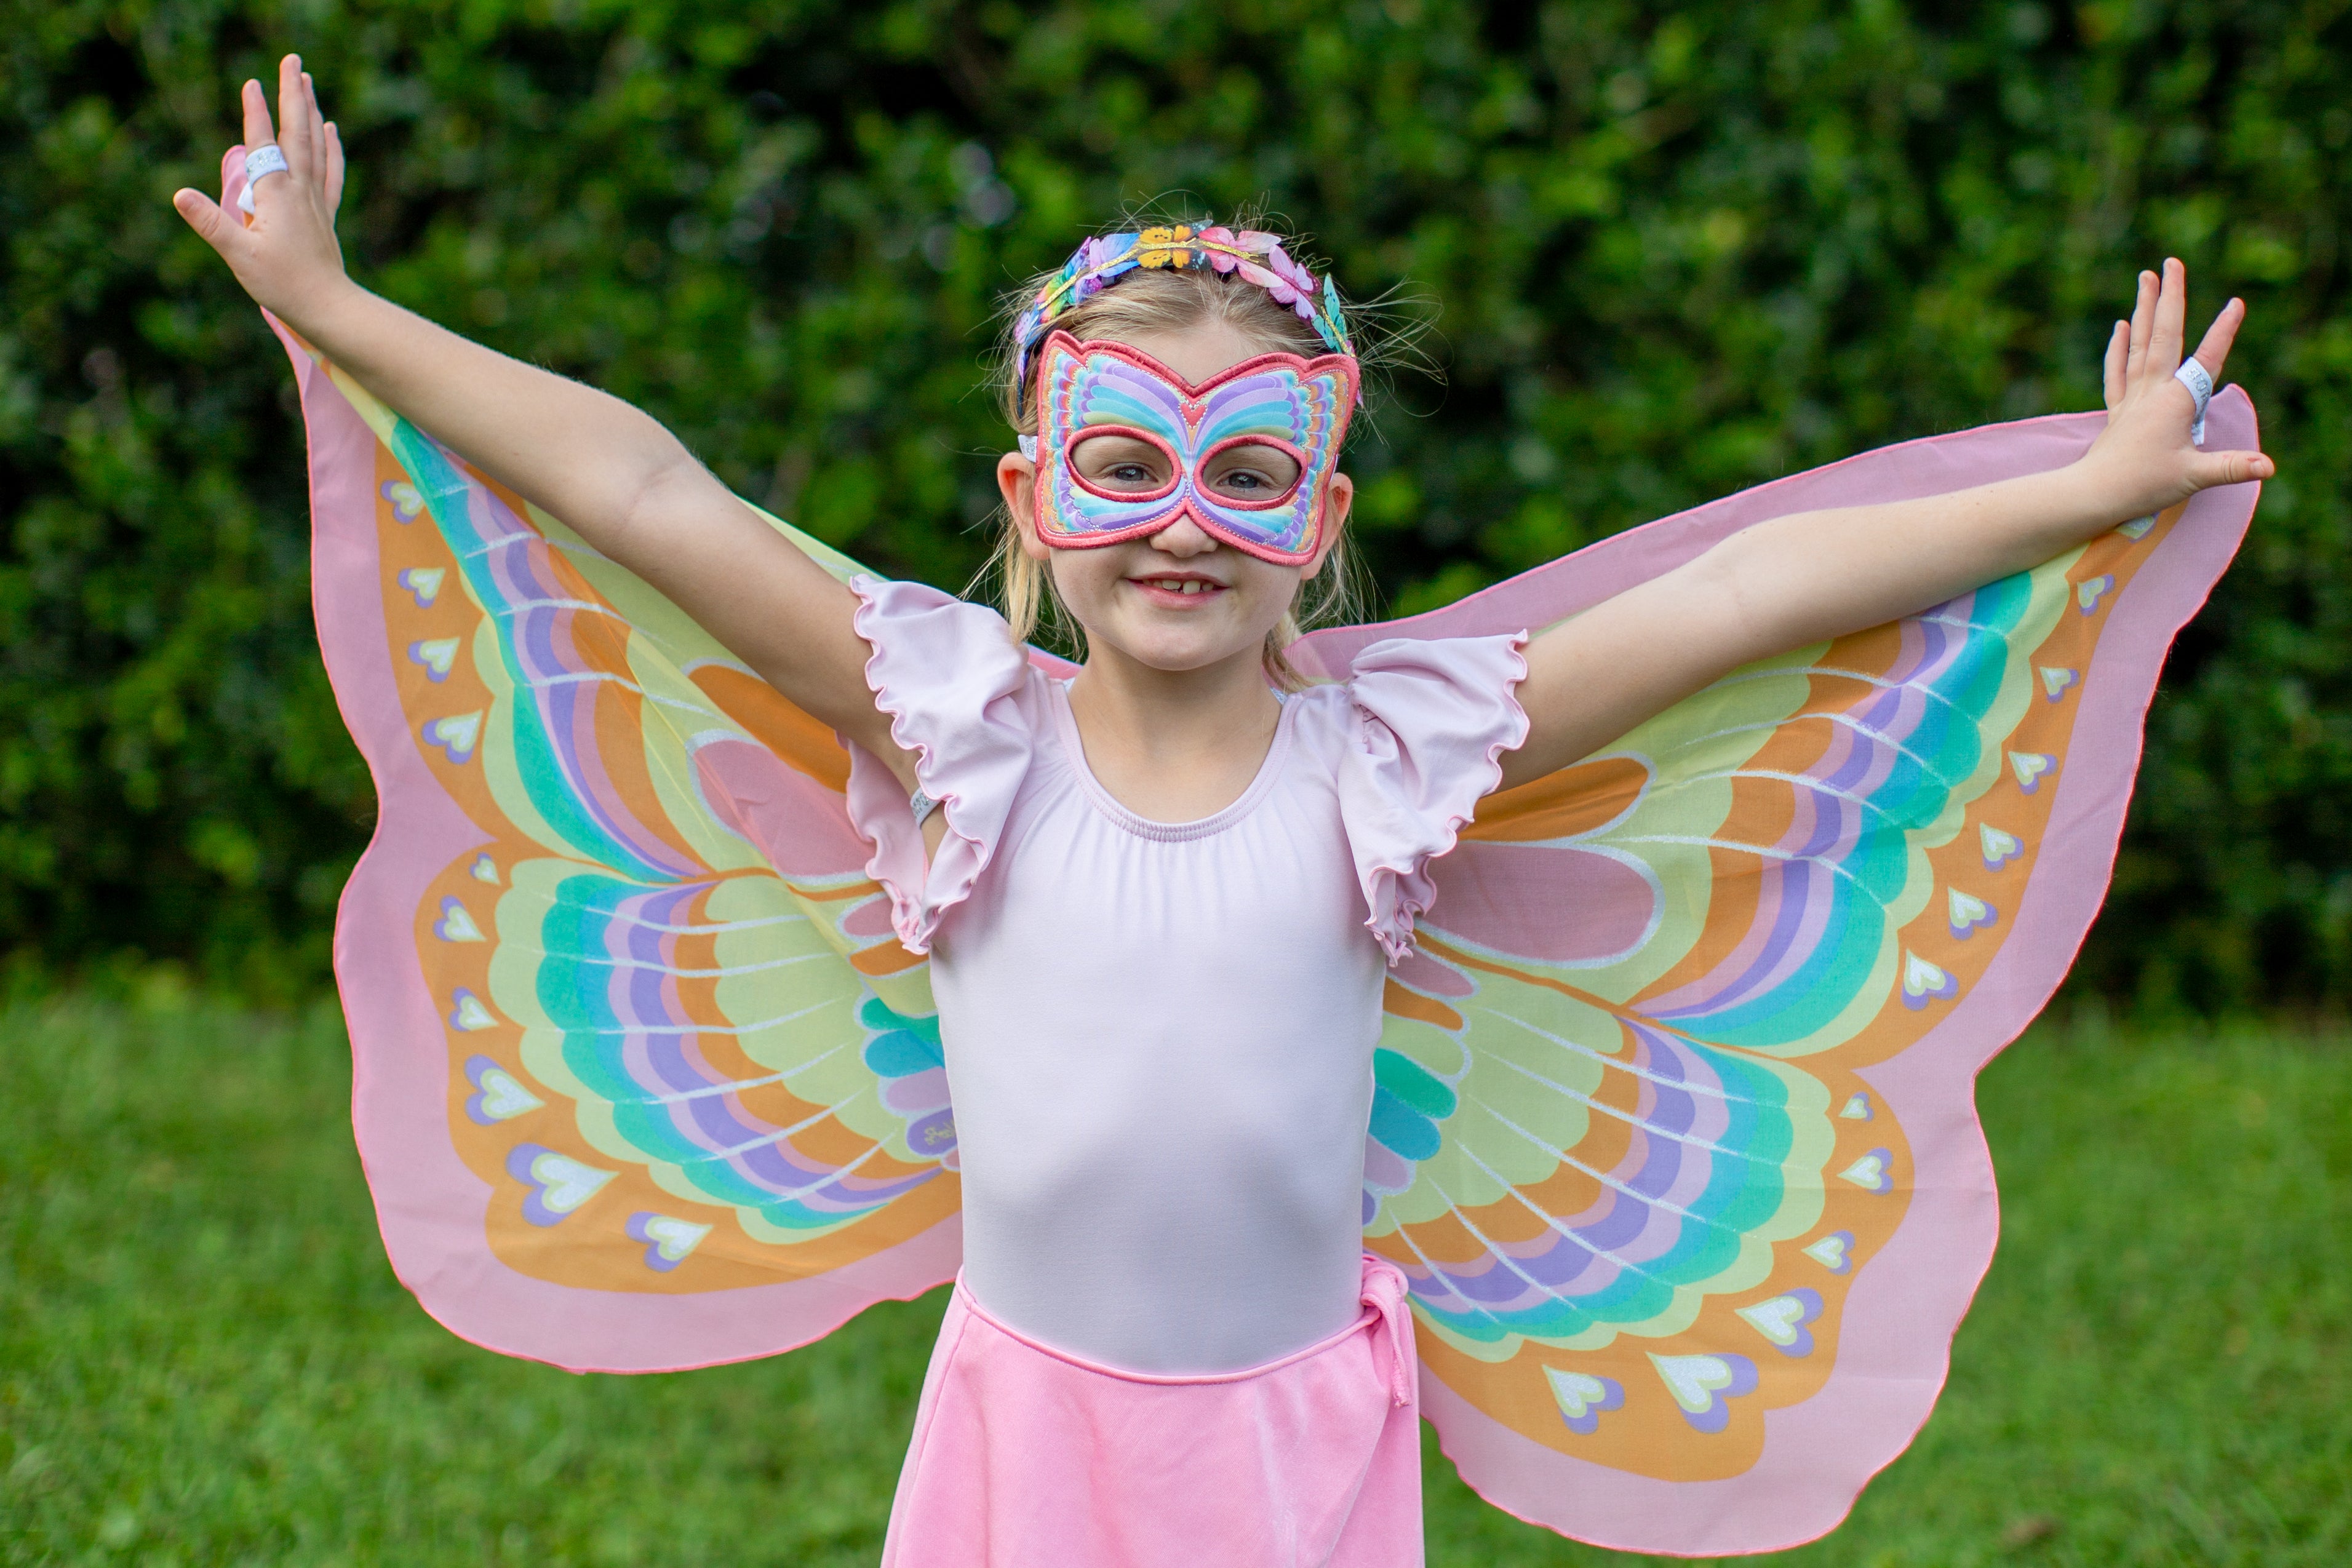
x,y
918,623
1419,728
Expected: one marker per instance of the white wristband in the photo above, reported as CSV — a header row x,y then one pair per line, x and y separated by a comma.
x,y
266,159
2192,375
922,805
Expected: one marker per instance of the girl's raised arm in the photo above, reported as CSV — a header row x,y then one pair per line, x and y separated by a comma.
x,y
1812,576
612,472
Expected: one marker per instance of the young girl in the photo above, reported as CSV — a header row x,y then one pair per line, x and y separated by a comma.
x,y
1162,898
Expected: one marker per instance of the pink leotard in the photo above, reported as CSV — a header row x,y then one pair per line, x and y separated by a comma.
x,y
1159,1036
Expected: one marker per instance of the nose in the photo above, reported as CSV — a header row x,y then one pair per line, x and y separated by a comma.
x,y
1184,537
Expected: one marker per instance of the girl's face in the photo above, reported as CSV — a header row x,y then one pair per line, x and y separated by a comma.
x,y
1178,598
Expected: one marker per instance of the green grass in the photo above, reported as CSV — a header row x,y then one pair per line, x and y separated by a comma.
x,y
203,1357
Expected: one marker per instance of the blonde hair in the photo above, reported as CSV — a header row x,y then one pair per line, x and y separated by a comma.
x,y
1139,304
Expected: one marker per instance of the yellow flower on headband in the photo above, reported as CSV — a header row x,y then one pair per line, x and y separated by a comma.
x,y
1165,247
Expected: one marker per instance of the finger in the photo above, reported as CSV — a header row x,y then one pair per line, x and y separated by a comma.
x,y
317,121
2215,348
205,217
293,117
2171,319
2118,352
2143,322
335,169
2214,468
258,130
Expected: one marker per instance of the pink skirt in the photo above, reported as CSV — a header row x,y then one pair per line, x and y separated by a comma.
x,y
1023,1455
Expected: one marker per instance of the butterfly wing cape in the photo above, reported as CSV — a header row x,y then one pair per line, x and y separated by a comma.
x,y
1673,1136
1674,1133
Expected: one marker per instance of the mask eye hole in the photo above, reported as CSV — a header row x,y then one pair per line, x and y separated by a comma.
x,y
1252,471
1117,463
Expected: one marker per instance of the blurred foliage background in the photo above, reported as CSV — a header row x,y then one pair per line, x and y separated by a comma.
x,y
1676,250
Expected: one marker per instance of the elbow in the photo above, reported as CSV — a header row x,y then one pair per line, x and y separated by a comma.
x,y
1729,594
667,475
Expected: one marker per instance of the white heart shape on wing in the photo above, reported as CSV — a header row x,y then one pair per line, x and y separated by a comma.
x,y
456,924
1830,1252
673,1237
564,1183
1869,1173
1777,1320
469,1013
2000,848
1923,979
1693,1379
1578,1392
502,1097
437,655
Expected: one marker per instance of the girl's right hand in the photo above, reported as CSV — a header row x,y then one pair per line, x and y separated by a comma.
x,y
285,255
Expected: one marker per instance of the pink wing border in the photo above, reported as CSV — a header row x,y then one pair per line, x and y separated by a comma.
x,y
1906,1302
430,1207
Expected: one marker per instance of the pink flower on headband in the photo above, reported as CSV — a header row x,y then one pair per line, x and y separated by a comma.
x,y
1295,285
1218,259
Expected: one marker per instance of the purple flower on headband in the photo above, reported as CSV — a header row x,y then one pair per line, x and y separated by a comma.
x,y
1296,279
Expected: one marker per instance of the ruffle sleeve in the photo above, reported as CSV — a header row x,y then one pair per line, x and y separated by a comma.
x,y
1431,722
951,682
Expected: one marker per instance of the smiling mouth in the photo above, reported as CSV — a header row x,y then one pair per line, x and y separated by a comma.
x,y
1179,585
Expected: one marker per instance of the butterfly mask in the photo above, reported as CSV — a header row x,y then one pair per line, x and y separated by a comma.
x,y
1248,453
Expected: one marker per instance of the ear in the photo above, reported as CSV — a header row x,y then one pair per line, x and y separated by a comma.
x,y
1339,499
1016,481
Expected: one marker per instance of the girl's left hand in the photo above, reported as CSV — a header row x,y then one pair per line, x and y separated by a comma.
x,y
2144,459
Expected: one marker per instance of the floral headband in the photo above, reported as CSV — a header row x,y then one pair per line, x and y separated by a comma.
x,y
1258,257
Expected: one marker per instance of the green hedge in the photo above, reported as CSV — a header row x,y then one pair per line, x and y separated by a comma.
x,y
1678,249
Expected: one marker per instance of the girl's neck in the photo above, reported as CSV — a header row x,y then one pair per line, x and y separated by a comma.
x,y
1173,746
